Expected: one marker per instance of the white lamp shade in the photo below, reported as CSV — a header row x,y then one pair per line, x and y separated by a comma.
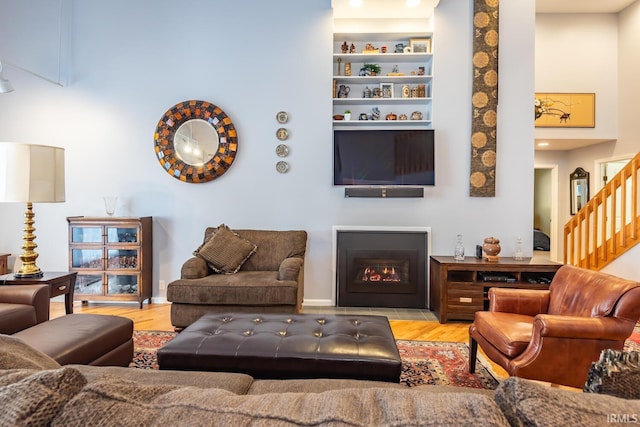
x,y
31,173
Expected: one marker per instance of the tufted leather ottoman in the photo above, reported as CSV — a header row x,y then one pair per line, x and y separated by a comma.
x,y
287,346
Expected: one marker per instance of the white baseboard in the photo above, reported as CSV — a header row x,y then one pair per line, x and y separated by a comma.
x,y
317,303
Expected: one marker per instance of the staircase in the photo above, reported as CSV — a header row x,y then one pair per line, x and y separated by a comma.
x,y
608,225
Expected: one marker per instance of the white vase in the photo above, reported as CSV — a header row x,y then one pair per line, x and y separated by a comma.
x,y
347,116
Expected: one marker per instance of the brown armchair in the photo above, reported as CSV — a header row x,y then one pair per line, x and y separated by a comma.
x,y
555,335
23,306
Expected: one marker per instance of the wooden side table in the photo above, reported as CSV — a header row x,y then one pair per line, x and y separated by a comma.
x,y
3,263
60,283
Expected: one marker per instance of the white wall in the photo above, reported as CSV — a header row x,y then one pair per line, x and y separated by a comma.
x,y
629,54
131,61
577,53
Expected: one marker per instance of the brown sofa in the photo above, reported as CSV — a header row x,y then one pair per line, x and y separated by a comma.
x,y
90,339
270,280
35,388
23,306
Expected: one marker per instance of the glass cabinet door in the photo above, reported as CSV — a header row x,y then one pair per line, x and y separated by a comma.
x,y
86,234
122,258
88,284
122,234
122,283
86,258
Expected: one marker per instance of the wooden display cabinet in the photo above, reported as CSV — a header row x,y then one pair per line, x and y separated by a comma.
x,y
458,289
113,258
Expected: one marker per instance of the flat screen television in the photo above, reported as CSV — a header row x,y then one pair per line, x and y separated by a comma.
x,y
383,157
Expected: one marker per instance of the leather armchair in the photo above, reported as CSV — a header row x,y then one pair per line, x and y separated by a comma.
x,y
554,335
23,306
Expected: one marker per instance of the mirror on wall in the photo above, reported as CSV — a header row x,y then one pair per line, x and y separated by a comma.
x,y
578,189
195,141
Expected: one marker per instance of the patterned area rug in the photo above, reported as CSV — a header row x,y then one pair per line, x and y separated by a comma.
x,y
423,362
633,343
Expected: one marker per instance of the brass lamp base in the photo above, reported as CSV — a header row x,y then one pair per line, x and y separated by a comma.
x,y
29,255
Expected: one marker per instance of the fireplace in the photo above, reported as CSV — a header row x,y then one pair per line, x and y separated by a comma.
x,y
381,268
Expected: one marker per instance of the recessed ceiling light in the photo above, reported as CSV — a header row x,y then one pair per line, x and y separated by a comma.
x,y
543,144
413,3
355,3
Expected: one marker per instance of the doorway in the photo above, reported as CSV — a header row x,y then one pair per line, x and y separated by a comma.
x,y
545,208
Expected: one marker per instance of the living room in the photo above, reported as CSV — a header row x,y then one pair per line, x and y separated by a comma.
x,y
110,89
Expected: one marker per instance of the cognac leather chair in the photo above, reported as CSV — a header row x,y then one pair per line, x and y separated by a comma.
x,y
554,335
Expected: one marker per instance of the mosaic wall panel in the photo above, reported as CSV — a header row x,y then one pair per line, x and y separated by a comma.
x,y
484,99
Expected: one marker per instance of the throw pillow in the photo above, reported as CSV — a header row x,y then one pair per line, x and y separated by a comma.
x,y
289,269
16,354
226,251
526,403
617,373
38,399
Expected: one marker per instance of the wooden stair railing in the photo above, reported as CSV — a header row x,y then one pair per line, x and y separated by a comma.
x,y
608,225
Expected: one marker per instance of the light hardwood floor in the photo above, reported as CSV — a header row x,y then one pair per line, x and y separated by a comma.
x,y
157,317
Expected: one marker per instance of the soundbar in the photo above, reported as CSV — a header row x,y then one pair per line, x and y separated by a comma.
x,y
383,192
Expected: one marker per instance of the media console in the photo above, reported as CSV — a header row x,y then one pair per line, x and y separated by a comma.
x,y
458,289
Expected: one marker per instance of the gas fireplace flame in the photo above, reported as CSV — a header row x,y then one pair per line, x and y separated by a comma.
x,y
386,274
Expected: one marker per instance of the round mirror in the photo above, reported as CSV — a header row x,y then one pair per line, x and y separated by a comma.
x,y
195,141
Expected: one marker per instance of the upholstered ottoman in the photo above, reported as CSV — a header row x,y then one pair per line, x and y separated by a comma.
x,y
83,339
287,346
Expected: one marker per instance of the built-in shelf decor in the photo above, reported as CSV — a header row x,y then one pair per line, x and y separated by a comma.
x,y
484,99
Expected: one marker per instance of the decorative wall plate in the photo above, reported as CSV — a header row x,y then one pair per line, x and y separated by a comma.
x,y
282,134
282,150
282,166
282,117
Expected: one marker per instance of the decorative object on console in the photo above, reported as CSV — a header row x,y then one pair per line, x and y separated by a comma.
x,y
484,100
458,252
110,204
5,85
31,174
195,141
579,189
491,248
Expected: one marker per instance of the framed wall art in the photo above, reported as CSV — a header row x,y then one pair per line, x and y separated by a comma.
x,y
565,110
420,45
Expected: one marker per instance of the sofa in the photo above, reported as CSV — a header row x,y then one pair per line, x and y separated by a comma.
x,y
23,306
240,271
35,390
91,339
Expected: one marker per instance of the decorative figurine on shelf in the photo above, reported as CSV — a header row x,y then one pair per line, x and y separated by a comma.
x,y
391,116
375,113
347,69
352,49
376,93
416,115
366,93
383,49
344,47
421,71
339,62
395,69
362,116
399,48
491,248
406,91
403,117
343,92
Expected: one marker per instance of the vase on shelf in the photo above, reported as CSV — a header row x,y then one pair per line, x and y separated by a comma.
x,y
458,252
491,248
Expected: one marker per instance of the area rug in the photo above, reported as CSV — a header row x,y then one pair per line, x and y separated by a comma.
x,y
423,362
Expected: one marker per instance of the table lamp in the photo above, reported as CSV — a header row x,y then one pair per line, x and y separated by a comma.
x,y
30,174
